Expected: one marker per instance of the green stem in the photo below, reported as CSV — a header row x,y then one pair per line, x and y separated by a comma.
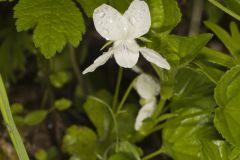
x,y
154,154
120,106
75,66
159,108
116,94
196,17
225,9
9,122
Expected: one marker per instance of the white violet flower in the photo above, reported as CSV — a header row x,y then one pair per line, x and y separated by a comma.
x,y
148,88
123,30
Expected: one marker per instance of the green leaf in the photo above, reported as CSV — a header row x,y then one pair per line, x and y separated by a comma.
x,y
178,50
216,57
81,142
62,104
210,70
218,150
9,122
58,79
165,14
182,139
227,40
225,9
127,147
227,116
99,114
126,121
235,32
55,23
17,108
89,5
120,156
192,89
35,117
41,155
234,5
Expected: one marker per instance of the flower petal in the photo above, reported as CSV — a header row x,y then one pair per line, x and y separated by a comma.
x,y
154,57
147,86
126,54
139,19
101,60
109,23
145,112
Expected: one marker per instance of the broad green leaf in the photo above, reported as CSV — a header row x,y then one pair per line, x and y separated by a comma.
x,y
35,117
58,79
227,40
55,23
98,112
9,122
104,95
90,5
218,150
192,89
227,116
81,142
126,121
178,50
182,140
127,147
62,104
210,70
165,14
121,156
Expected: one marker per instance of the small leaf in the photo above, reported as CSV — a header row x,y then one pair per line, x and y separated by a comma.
x,y
35,117
127,147
81,142
58,79
62,104
17,108
41,155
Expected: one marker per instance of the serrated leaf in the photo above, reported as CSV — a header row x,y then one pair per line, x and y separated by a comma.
x,y
165,14
179,50
227,116
89,5
192,89
182,140
218,150
81,142
55,23
35,117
